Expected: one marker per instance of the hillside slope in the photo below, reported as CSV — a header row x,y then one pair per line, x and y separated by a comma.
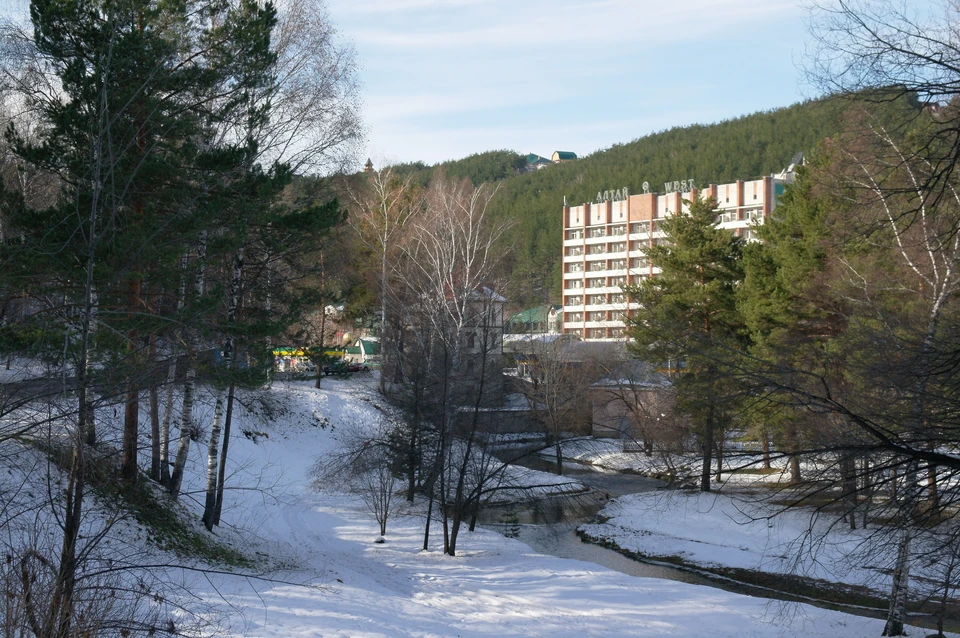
x,y
742,148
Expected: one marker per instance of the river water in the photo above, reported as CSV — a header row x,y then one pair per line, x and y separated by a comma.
x,y
553,532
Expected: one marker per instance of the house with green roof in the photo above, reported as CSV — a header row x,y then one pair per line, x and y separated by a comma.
x,y
539,320
536,162
363,351
563,156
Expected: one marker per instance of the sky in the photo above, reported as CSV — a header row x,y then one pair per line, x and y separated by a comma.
x,y
443,79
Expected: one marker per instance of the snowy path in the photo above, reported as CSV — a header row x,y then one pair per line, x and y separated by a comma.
x,y
496,587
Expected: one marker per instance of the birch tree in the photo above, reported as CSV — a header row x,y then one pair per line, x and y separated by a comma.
x,y
451,257
382,204
905,308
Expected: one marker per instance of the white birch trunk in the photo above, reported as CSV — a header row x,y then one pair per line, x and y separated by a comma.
x,y
210,504
186,432
165,426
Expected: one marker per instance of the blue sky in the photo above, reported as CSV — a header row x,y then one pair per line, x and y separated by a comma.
x,y
447,78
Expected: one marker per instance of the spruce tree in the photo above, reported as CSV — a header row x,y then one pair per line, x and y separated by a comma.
x,y
688,320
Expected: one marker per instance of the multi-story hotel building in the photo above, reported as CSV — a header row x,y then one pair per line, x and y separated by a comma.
x,y
604,244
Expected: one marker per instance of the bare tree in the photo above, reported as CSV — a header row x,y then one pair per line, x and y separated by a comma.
x,y
364,465
557,386
450,258
881,51
382,205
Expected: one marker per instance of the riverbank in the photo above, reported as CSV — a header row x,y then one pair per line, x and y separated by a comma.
x,y
801,555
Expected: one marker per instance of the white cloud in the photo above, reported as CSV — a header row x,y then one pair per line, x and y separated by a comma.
x,y
446,78
550,23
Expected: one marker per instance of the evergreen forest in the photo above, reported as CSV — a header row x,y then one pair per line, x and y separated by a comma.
x,y
743,148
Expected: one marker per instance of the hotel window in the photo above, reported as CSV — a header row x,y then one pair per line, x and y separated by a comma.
x,y
598,282
728,216
575,283
618,298
597,266
617,332
575,300
619,316
619,247
596,232
754,214
597,249
595,300
576,267
597,315
620,229
640,227
618,281
596,333
574,251
618,264
575,234
639,262
574,316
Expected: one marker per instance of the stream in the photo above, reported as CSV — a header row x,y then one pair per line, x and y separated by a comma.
x,y
550,528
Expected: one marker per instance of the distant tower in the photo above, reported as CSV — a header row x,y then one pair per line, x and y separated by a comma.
x,y
368,167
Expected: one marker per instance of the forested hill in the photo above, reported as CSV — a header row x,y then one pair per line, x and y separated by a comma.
x,y
744,148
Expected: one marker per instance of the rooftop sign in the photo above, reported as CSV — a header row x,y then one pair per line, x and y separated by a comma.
x,y
620,194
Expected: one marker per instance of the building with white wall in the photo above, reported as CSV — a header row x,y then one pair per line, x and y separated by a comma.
x,y
604,244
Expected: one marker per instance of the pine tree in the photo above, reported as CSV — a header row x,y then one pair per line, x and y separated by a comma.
x,y
688,319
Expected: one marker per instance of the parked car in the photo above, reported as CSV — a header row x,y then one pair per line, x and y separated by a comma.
x,y
340,368
343,368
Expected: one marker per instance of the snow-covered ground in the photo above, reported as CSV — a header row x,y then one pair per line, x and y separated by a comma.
x,y
325,575
720,530
682,468
495,587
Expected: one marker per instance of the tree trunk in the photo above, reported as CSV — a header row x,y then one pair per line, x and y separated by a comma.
x,y
412,457
848,486
210,503
933,494
426,526
154,398
868,489
154,433
766,449
186,432
901,571
60,611
221,477
720,459
165,427
898,591
61,608
131,412
323,322
707,447
795,476
232,315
